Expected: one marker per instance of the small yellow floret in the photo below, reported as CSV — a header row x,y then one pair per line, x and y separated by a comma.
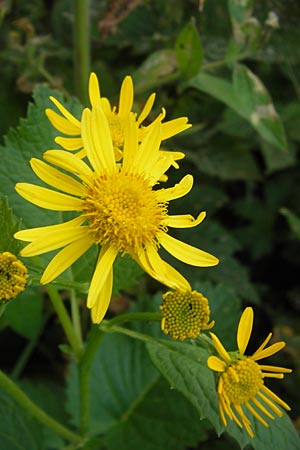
x,y
13,276
185,314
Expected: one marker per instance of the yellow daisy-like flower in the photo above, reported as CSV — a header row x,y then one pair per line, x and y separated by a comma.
x,y
117,205
241,380
185,314
13,276
117,120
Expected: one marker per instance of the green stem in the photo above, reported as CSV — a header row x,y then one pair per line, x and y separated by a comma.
x,y
85,366
141,316
21,398
82,48
2,308
76,317
127,332
65,320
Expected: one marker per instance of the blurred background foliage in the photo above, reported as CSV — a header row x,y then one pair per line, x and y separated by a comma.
x,y
235,72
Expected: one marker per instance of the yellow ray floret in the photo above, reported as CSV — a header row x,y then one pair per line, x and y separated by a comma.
x,y
116,205
117,119
241,379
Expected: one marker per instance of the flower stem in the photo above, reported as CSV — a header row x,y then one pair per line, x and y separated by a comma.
x,y
23,400
85,366
76,316
81,48
65,320
141,316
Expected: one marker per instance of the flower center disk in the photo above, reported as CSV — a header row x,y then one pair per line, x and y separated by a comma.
x,y
123,210
242,380
13,276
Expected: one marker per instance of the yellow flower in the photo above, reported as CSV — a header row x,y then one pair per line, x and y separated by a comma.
x,y
241,380
13,276
117,205
117,120
185,314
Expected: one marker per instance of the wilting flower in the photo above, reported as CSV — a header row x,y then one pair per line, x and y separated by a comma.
x,y
241,379
117,205
13,276
117,120
185,313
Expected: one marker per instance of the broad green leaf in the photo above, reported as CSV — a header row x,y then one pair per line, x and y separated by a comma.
x,y
275,160
126,273
19,431
249,98
189,50
281,434
185,368
122,375
25,313
293,221
163,420
8,226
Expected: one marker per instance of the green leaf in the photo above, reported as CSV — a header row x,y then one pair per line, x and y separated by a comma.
x,y
19,431
249,98
189,50
293,221
240,10
126,273
157,66
281,434
8,226
225,307
185,368
24,314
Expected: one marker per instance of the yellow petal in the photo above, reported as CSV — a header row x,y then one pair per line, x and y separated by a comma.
x,y
35,233
69,143
70,163
57,179
179,190
57,239
65,112
185,252
275,398
156,171
255,414
130,144
244,329
184,221
146,110
104,265
219,347
48,199
94,89
102,303
65,258
216,364
173,127
268,351
275,369
160,270
126,96
106,106
262,346
61,124
148,152
97,140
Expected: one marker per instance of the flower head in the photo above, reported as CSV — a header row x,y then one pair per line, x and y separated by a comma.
x,y
13,276
117,207
117,119
185,313
241,379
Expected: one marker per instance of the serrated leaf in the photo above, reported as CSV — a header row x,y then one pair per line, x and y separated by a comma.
x,y
185,368
164,420
281,434
24,314
8,226
189,50
19,431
